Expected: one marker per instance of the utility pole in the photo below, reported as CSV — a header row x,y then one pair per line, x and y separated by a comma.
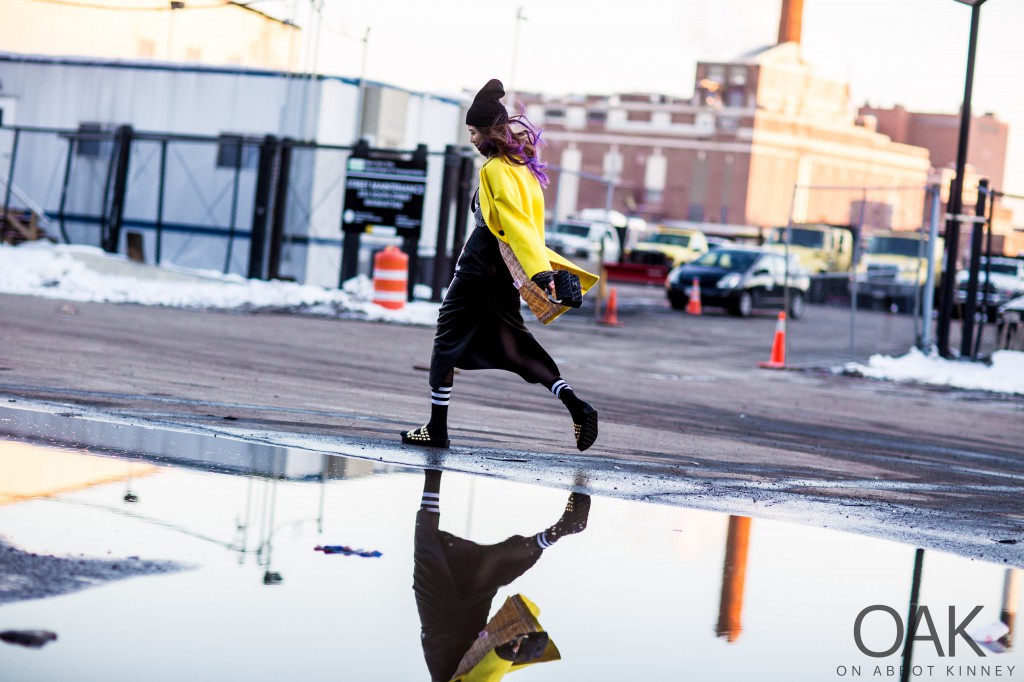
x,y
362,87
520,18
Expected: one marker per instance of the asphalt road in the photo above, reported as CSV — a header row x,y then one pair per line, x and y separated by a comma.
x,y
686,416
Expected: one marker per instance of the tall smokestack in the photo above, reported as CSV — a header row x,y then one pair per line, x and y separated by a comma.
x,y
790,21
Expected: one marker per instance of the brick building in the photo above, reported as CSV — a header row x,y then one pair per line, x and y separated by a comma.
x,y
732,153
939,133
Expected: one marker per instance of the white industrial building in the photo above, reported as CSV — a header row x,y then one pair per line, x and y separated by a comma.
x,y
75,93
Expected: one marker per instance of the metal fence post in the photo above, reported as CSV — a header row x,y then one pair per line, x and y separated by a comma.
x,y
64,189
988,273
10,174
462,208
261,205
124,154
858,245
280,204
602,283
970,305
927,306
160,200
448,185
229,251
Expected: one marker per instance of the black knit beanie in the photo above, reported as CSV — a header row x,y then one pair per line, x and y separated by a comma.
x,y
487,109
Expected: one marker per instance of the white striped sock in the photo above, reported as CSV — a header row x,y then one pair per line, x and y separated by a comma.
x,y
431,502
441,395
542,540
557,387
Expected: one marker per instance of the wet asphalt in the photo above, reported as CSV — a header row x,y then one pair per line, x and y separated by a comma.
x,y
687,417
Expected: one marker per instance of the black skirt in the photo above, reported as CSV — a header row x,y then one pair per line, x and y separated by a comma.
x,y
455,581
480,325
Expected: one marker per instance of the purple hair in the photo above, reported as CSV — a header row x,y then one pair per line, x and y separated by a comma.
x,y
518,147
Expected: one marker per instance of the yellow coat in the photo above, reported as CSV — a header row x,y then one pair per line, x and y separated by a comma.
x,y
512,204
492,668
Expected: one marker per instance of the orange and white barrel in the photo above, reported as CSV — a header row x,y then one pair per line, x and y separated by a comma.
x,y
390,278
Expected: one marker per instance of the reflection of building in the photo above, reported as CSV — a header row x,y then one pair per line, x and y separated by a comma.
x,y
734,576
32,471
201,31
732,152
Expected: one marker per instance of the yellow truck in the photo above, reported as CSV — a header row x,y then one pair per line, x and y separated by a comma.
x,y
672,246
818,247
893,268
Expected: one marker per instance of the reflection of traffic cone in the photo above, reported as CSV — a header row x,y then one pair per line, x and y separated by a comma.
x,y
611,317
693,305
778,357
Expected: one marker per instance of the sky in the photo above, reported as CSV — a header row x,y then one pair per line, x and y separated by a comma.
x,y
86,273
910,52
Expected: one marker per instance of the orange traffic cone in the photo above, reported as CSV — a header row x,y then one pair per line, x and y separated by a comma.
x,y
778,357
611,317
693,305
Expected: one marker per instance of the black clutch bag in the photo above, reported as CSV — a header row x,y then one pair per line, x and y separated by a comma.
x,y
568,291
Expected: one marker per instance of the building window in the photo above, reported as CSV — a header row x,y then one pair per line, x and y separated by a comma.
x,y
575,117
554,113
735,96
598,116
232,152
613,163
695,213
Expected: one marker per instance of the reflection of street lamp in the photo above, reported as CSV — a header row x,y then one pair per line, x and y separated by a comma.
x,y
955,205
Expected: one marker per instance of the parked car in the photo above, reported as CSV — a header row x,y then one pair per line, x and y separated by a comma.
x,y
1007,283
740,279
669,245
582,239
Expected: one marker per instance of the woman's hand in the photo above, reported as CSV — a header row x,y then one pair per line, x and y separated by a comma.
x,y
546,281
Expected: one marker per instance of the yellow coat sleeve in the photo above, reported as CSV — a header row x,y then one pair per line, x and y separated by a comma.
x,y
512,202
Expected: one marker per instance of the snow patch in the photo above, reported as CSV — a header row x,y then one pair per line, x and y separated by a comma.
x,y
1005,374
88,274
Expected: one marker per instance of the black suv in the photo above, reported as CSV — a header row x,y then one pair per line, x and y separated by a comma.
x,y
740,279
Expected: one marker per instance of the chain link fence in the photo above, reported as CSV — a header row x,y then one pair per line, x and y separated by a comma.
x,y
250,206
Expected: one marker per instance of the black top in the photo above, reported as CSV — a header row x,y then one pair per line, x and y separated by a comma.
x,y
481,257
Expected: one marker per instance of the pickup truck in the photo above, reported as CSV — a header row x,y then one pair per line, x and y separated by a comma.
x,y
894,268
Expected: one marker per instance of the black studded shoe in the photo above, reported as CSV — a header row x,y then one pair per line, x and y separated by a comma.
x,y
574,518
585,429
422,437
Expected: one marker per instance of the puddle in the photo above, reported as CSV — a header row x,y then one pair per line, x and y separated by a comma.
x,y
232,586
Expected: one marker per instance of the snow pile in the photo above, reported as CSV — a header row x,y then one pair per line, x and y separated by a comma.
x,y
1004,375
83,273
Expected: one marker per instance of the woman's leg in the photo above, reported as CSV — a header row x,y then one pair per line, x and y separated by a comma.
x,y
584,416
457,322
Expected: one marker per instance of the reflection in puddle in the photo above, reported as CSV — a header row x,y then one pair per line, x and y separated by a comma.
x,y
455,581
644,592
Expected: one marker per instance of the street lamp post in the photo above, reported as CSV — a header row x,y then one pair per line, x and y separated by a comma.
x,y
955,205
520,18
